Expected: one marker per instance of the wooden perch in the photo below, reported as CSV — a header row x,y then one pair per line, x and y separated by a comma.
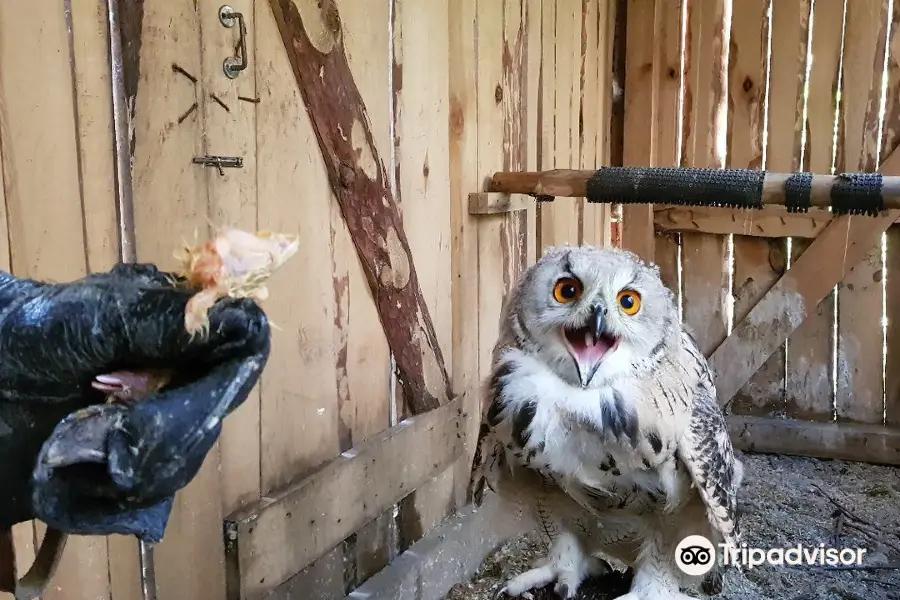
x,y
573,183
315,47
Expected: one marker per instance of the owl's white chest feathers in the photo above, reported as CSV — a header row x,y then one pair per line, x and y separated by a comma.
x,y
619,436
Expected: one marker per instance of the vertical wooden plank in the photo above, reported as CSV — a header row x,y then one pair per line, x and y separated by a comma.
x,y
362,357
747,84
170,205
93,100
546,119
760,262
423,163
514,107
534,49
637,229
230,130
890,143
593,111
859,360
45,215
464,177
809,391
566,46
667,75
587,113
704,268
90,45
298,422
40,130
298,395
489,82
22,533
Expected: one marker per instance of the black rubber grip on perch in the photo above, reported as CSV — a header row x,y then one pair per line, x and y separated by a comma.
x,y
857,194
727,188
797,192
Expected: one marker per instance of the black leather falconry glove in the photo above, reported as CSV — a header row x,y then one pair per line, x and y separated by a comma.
x,y
85,466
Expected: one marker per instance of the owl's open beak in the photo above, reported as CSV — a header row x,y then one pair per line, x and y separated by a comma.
x,y
591,344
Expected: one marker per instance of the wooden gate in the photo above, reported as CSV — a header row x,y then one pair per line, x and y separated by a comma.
x,y
788,306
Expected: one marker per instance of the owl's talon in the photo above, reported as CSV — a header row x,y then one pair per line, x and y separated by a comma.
x,y
502,594
562,590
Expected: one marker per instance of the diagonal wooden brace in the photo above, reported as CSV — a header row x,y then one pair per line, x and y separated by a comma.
x,y
842,245
314,44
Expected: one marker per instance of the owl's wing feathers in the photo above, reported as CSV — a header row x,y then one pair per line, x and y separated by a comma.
x,y
489,448
706,451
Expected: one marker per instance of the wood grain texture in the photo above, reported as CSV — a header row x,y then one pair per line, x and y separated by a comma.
x,y
758,263
753,273
171,196
667,77
770,222
641,108
464,178
361,187
843,244
270,540
892,268
596,96
704,268
362,356
301,416
493,203
230,130
421,56
44,205
830,441
859,359
559,104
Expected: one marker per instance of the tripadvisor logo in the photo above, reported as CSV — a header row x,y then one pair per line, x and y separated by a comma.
x,y
695,555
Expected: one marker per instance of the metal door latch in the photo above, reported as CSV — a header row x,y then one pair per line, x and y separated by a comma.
x,y
235,162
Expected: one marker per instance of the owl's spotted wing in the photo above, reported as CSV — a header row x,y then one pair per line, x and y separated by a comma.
x,y
707,452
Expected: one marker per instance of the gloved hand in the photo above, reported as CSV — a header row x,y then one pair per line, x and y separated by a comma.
x,y
88,467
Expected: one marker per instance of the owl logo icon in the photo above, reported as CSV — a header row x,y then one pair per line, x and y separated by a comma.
x,y
695,555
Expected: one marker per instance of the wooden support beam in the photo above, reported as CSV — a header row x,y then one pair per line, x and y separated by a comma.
x,y
489,203
275,538
315,47
573,183
842,245
768,222
840,441
831,256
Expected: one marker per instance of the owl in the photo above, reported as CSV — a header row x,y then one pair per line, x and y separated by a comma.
x,y
601,423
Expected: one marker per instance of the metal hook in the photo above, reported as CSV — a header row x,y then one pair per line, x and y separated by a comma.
x,y
233,65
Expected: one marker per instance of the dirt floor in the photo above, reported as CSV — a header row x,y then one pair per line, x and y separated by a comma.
x,y
786,501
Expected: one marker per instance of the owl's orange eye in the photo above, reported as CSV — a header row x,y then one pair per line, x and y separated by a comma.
x,y
630,302
567,290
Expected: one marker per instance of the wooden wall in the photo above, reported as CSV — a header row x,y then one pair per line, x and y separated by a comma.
x,y
781,86
455,89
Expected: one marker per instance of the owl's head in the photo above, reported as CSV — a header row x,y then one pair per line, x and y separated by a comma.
x,y
593,312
